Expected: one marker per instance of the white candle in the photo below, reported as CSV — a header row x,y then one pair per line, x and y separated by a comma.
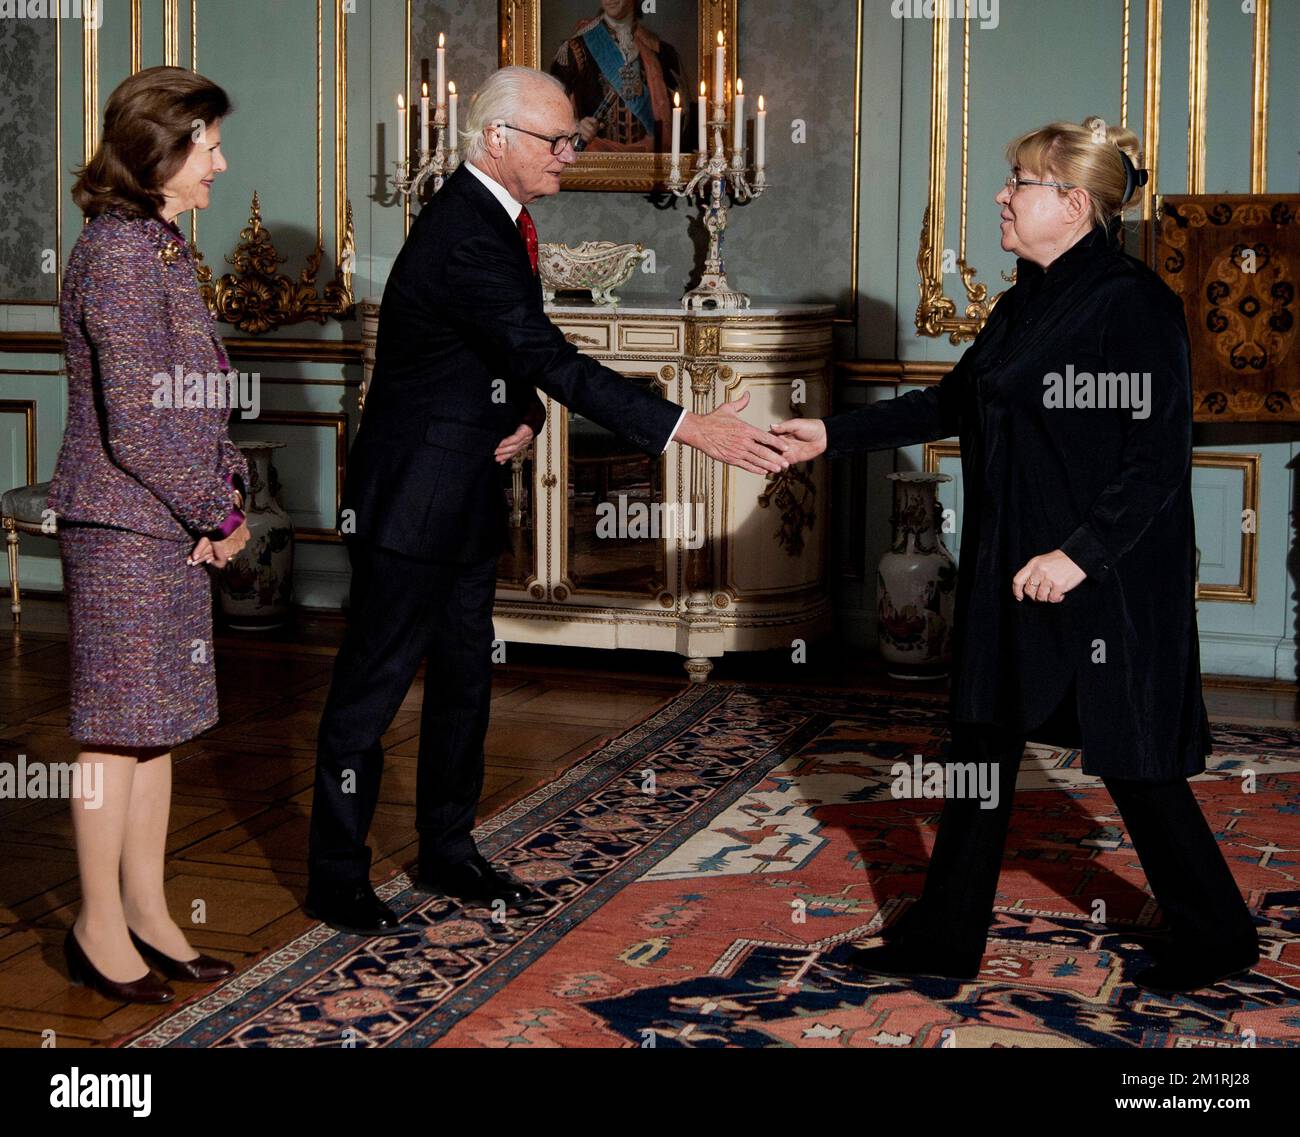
x,y
424,118
704,120
739,114
401,128
442,74
760,135
677,128
719,67
451,115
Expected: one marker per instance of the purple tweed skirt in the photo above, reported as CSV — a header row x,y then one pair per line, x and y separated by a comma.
x,y
140,638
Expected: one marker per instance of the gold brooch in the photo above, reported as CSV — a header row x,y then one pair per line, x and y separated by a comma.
x,y
170,253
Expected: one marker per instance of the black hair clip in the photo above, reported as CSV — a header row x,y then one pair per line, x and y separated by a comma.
x,y
1133,177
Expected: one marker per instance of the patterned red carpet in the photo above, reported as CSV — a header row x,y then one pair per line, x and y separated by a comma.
x,y
704,875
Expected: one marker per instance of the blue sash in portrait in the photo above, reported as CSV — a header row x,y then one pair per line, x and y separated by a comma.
x,y
623,75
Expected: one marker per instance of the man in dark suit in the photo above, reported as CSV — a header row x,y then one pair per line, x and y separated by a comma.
x,y
463,343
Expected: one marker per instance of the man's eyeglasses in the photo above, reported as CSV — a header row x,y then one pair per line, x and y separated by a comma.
x,y
557,141
1014,180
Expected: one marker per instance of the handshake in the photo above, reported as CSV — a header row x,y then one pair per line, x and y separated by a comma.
x,y
724,436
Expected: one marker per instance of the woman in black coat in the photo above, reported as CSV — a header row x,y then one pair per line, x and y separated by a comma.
x,y
1075,620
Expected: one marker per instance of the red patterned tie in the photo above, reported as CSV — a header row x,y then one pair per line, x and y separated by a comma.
x,y
529,233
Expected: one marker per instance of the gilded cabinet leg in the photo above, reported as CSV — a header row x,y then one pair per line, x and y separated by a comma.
x,y
11,540
698,668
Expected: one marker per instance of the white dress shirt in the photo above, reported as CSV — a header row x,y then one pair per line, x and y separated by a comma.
x,y
514,208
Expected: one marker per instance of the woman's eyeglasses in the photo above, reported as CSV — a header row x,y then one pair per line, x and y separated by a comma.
x,y
1014,180
558,141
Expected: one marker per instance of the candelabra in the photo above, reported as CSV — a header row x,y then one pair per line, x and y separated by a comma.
x,y
714,174
436,163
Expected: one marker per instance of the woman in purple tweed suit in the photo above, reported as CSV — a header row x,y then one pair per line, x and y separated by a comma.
x,y
146,495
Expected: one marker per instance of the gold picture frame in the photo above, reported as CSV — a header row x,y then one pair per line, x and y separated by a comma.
x,y
521,42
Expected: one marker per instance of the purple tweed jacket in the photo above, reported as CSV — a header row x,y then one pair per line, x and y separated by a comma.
x,y
131,309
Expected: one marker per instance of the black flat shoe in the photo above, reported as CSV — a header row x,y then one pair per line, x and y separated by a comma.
x,y
359,912
1182,971
201,969
894,960
147,989
1157,941
475,880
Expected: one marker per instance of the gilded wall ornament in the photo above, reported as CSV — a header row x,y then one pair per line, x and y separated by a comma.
x,y
257,297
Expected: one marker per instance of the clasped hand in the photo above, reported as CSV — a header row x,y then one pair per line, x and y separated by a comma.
x,y
218,553
1047,578
514,444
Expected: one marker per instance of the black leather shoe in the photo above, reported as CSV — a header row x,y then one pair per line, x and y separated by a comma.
x,y
358,911
200,969
891,959
474,879
147,989
1182,971
895,931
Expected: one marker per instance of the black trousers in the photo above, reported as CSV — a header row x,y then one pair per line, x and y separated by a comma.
x,y
402,610
1184,867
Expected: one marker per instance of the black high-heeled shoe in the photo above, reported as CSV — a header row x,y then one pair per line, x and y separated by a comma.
x,y
201,969
147,989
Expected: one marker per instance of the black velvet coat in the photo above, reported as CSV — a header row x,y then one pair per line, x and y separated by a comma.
x,y
1110,485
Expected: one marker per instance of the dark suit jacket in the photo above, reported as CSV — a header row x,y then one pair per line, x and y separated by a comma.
x,y
463,343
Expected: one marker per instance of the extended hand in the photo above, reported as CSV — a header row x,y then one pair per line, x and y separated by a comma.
x,y
723,435
1047,578
806,436
514,444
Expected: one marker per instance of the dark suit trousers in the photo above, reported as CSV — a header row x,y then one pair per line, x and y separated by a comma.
x,y
1186,871
401,610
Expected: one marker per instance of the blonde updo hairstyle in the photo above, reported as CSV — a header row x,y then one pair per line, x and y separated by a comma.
x,y
1084,154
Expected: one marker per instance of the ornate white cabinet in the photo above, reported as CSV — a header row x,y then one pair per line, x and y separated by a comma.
x,y
679,553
